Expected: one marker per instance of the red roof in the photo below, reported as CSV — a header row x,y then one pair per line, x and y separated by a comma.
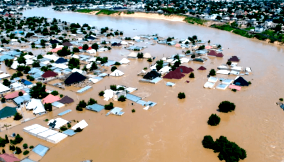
x,y
80,47
212,53
48,74
184,69
174,75
50,99
234,59
219,55
9,158
13,95
201,68
89,48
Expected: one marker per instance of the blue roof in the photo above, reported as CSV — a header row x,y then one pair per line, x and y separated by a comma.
x,y
95,107
6,57
109,63
133,97
69,132
19,100
26,82
150,103
40,150
34,70
61,60
84,89
27,160
64,112
141,102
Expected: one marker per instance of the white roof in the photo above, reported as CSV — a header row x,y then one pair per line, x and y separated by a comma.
x,y
136,37
248,69
164,70
184,60
51,57
147,55
123,42
77,70
225,72
35,105
209,85
75,56
29,62
31,127
3,88
124,61
82,124
46,134
132,55
117,73
37,130
28,56
234,72
212,79
236,68
56,137
59,122
61,66
15,65
108,94
116,111
16,85
92,51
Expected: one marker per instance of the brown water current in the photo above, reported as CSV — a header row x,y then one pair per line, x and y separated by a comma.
x,y
173,129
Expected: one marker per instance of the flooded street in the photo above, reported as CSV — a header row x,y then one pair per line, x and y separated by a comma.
x,y
173,129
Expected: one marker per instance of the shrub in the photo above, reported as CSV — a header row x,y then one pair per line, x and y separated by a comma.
x,y
3,151
78,108
68,125
26,152
63,128
122,98
48,106
140,55
208,142
212,72
113,87
78,130
133,110
82,104
281,99
113,68
226,106
18,150
229,63
213,120
117,63
101,93
149,60
61,95
109,106
181,95
193,56
54,93
46,120
249,82
18,116
12,148
234,90
3,100
25,146
18,139
191,75
31,147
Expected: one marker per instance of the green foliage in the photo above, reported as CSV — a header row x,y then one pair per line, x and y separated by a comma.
x,y
18,116
38,91
122,98
94,66
106,12
193,20
228,151
191,75
48,106
3,151
213,120
92,101
31,147
54,93
229,63
20,93
159,64
95,46
109,106
64,52
6,82
18,139
78,108
117,63
133,110
234,90
21,60
201,47
212,72
6,138
101,93
2,142
149,60
226,106
25,146
82,104
113,68
103,60
26,152
78,130
8,63
36,64
12,148
75,49
280,99
181,95
84,10
18,150
68,125
63,128
74,63
140,55
85,47
113,87
3,100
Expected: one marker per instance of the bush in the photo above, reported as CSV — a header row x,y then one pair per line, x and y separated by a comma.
x,y
191,75
78,130
101,93
68,125
122,98
226,106
113,68
208,142
213,120
18,116
109,106
54,93
25,146
3,151
234,90
133,110
117,63
228,151
63,128
78,108
48,106
193,56
92,101
229,63
140,55
31,147
181,95
18,150
113,87
82,104
26,152
18,139
12,148
249,82
280,99
3,100
212,72
149,60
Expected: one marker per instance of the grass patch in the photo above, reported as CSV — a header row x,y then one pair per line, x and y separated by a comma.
x,y
106,12
128,12
193,20
84,10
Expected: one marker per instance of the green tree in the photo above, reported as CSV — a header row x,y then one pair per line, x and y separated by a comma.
x,y
94,66
39,57
181,95
63,52
6,82
6,138
21,60
226,106
95,46
212,72
54,93
208,142
26,152
48,106
78,130
113,68
20,93
18,116
38,91
25,146
63,128
109,106
101,93
213,120
92,101
18,150
140,55
85,47
74,63
122,98
75,49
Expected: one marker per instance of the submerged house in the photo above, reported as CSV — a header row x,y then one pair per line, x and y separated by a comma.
x,y
7,112
152,75
240,81
74,78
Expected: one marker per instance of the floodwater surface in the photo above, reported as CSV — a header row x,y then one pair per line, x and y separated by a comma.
x,y
174,128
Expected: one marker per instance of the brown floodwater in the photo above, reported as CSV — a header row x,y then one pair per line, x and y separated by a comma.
x,y
173,129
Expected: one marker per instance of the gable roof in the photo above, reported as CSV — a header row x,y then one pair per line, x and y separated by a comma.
x,y
66,100
234,59
7,112
174,75
48,74
152,75
26,82
212,53
74,78
60,60
13,95
9,158
68,44
50,98
219,55
54,41
201,68
240,81
184,69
